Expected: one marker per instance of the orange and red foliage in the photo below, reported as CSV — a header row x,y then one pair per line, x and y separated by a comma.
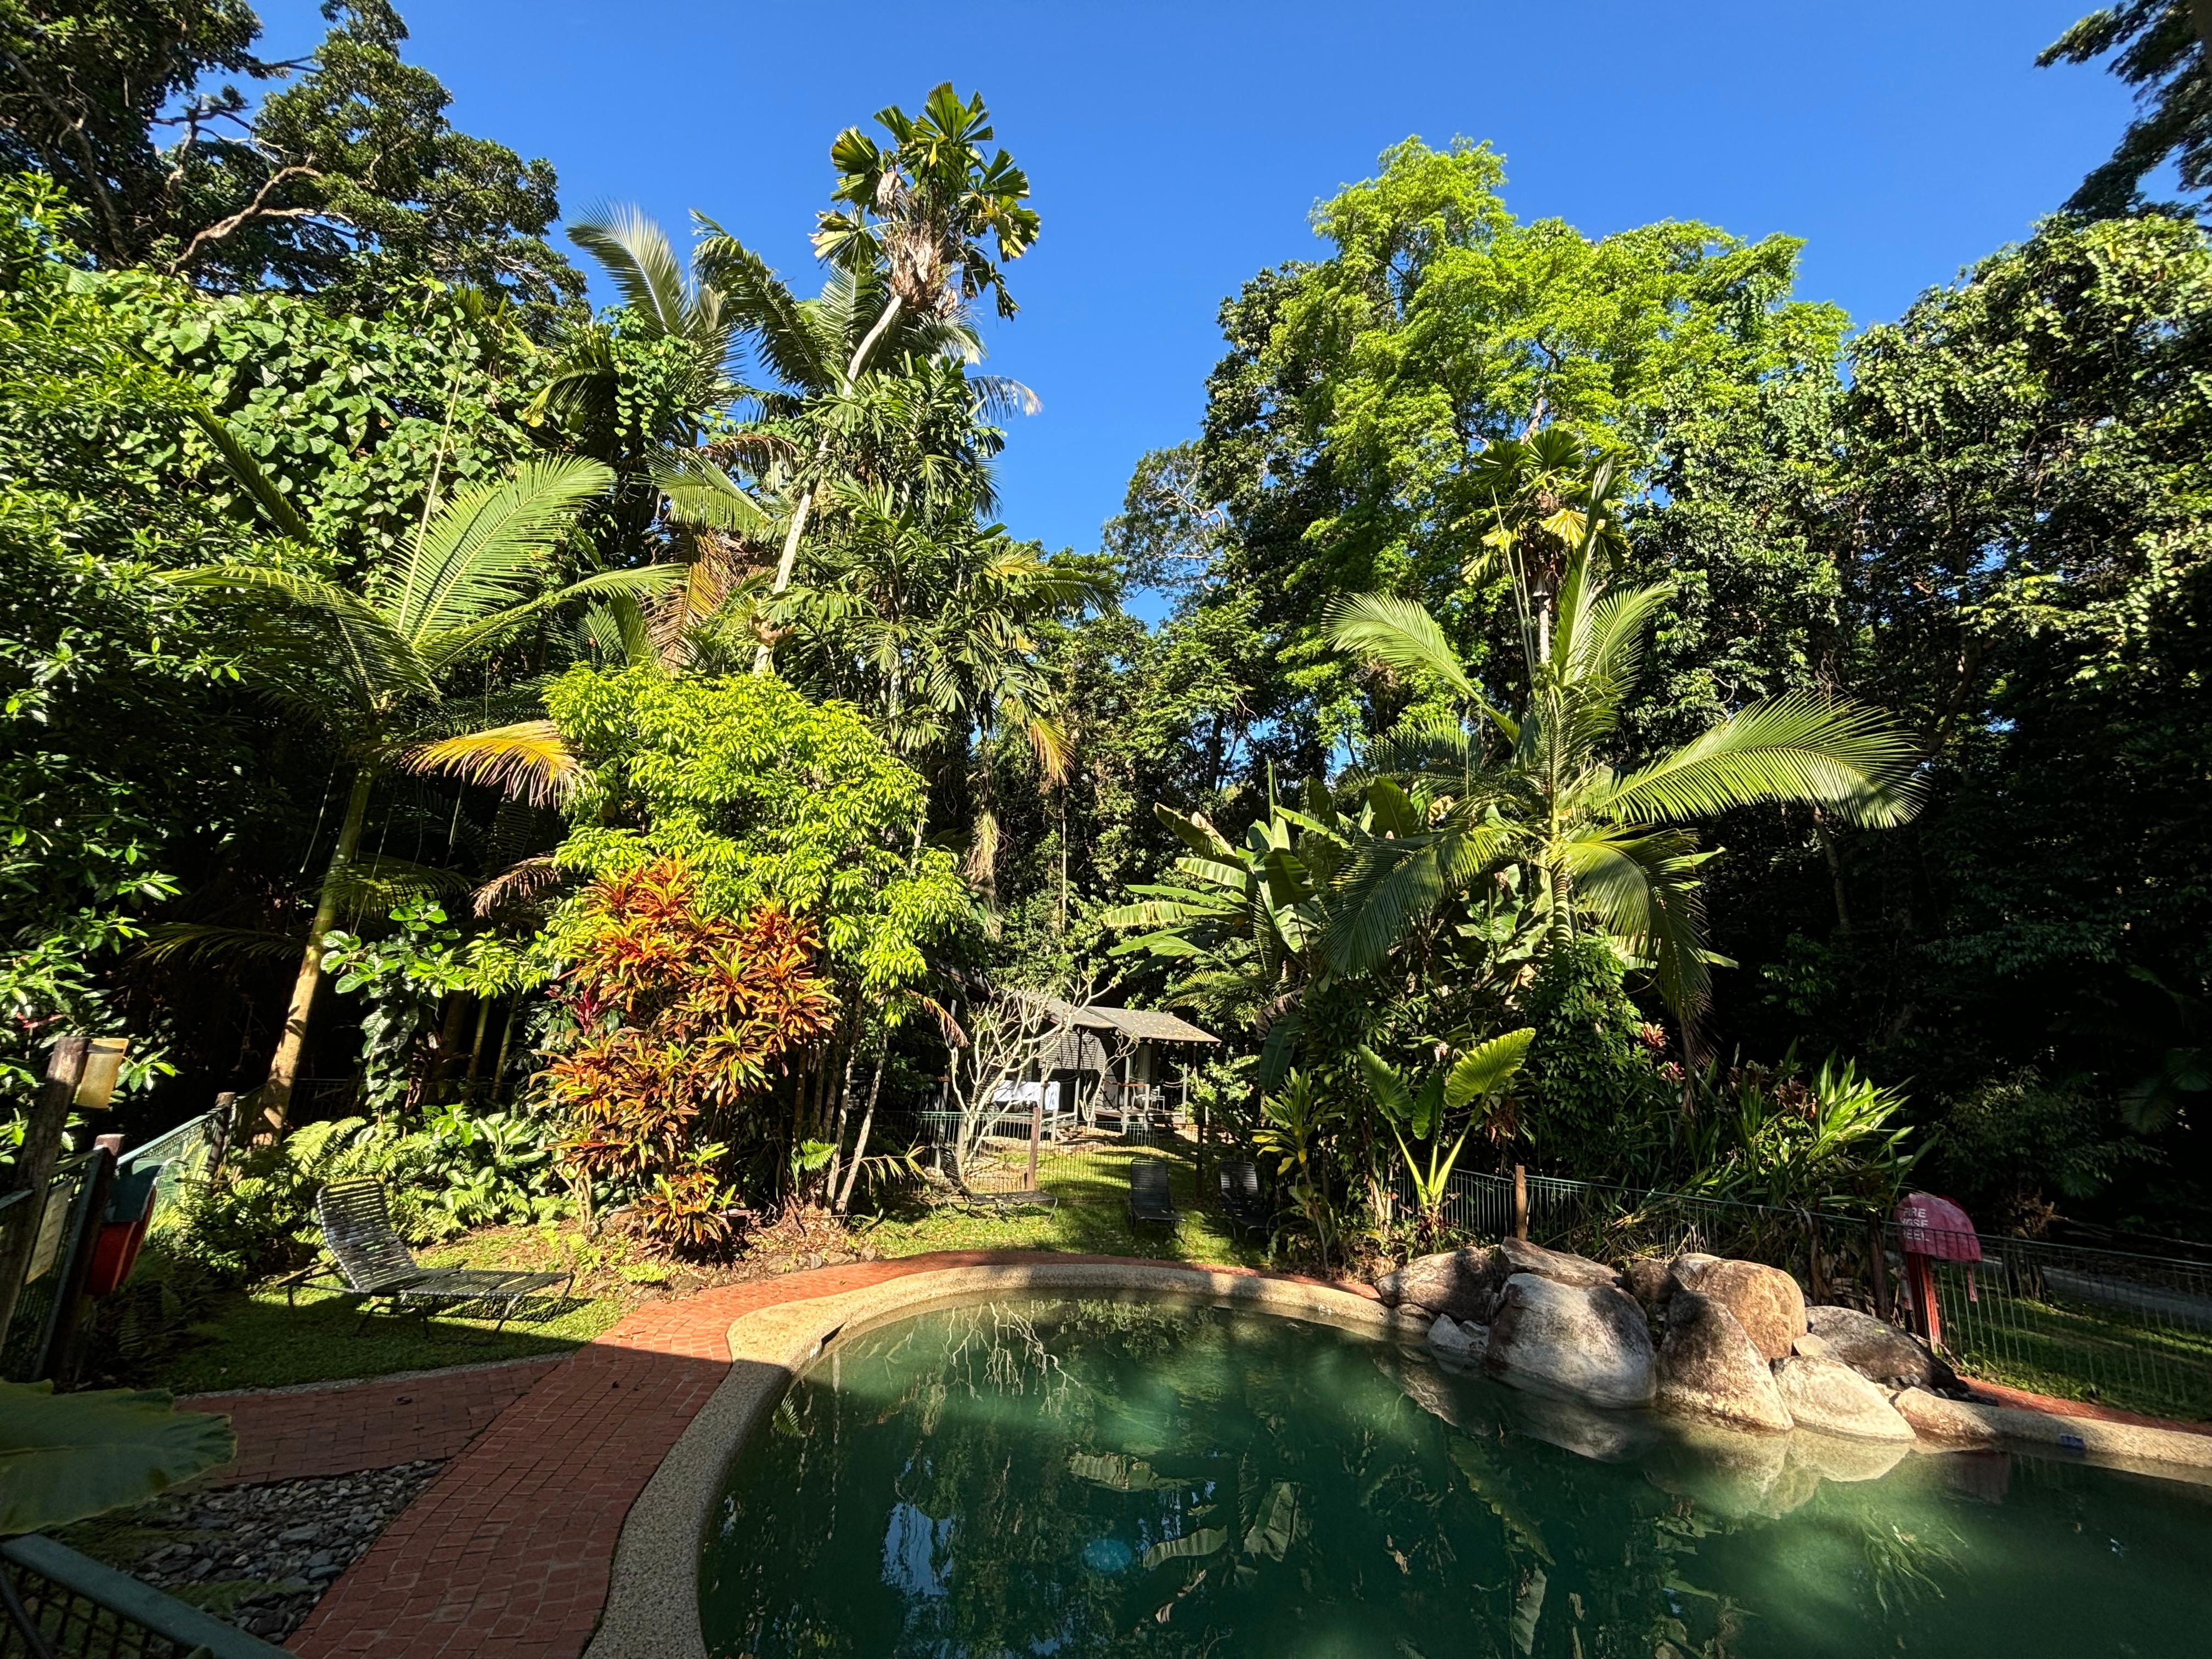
x,y
680,1017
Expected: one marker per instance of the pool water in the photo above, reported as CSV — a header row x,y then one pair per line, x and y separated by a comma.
x,y
1087,1477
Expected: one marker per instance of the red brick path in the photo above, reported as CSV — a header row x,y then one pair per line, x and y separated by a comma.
x,y
1996,1393
509,1550
290,1433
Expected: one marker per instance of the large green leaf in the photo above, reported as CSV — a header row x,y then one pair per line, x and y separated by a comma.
x,y
68,1456
1487,1067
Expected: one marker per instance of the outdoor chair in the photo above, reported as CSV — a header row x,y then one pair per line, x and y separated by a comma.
x,y
375,1265
1149,1203
1000,1201
1241,1201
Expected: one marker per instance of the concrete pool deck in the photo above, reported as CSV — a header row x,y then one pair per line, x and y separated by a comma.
x,y
572,1522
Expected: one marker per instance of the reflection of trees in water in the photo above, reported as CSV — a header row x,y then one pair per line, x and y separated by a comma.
x,y
1260,1476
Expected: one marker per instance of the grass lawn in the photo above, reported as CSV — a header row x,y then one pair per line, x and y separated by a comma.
x,y
2074,1352
253,1340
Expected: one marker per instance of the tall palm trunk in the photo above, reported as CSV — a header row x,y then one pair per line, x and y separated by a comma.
x,y
786,565
284,1069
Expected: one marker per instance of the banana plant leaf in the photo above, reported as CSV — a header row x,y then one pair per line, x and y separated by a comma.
x,y
64,1457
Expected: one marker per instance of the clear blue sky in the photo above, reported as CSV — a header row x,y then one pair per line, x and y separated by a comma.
x,y
1174,150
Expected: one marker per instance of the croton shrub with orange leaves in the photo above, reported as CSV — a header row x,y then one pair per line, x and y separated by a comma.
x,y
685,1020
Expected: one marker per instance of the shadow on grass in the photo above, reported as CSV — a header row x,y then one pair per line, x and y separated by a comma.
x,y
252,1339
1091,1183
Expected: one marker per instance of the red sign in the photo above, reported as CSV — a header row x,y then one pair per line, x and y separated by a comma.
x,y
1937,1227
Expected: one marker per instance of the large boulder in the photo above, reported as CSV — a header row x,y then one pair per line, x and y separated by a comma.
x,y
1561,1267
1588,1342
1881,1353
1765,1300
1709,1367
1462,1284
1824,1394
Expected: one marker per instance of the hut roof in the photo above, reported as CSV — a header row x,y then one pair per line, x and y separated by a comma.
x,y
1145,1024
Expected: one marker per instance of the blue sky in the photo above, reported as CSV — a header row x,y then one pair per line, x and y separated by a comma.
x,y
1174,149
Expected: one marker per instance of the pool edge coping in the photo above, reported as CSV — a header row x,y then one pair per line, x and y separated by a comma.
x,y
652,1591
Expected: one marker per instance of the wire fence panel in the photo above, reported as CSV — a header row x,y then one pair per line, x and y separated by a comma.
x,y
82,1609
2083,1324
2103,1326
56,1225
190,1153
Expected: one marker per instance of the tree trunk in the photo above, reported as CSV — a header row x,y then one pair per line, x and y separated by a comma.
x,y
284,1069
867,1122
837,1138
506,1036
764,656
1835,863
34,1168
476,1048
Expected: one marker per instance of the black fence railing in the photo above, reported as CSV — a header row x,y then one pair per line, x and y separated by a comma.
x,y
77,1608
2105,1326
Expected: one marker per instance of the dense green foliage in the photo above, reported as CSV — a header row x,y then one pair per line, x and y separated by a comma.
x,y
1568,635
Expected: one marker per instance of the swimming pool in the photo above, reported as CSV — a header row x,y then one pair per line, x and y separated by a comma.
x,y
1092,1476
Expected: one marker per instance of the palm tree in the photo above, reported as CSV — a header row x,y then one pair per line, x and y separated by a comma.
x,y
908,242
1453,803
1246,925
370,663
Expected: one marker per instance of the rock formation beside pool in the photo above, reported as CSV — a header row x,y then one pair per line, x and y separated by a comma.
x,y
1465,1284
1699,1337
1880,1352
1588,1342
1829,1395
1709,1366
1458,1284
1766,1301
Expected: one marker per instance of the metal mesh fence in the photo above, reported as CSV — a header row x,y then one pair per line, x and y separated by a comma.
x,y
55,1226
189,1153
83,1610
2131,1331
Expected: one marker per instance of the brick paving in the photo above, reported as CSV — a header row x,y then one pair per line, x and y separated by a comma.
x,y
341,1428
509,1552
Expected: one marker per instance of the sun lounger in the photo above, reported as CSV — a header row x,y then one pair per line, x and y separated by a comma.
x,y
375,1264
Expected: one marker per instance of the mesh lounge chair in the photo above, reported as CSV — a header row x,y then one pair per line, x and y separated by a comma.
x,y
1240,1200
375,1265
1149,1203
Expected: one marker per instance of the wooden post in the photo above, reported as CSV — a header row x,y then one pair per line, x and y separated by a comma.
x,y
1817,1279
1201,1159
1036,1133
1878,1270
1520,1202
1920,1274
34,1168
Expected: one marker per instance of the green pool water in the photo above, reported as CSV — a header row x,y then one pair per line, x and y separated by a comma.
x,y
1078,1477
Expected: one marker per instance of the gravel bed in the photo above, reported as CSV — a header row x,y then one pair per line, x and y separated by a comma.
x,y
260,1557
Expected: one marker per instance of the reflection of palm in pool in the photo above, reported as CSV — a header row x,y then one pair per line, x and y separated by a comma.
x,y
1086,1477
